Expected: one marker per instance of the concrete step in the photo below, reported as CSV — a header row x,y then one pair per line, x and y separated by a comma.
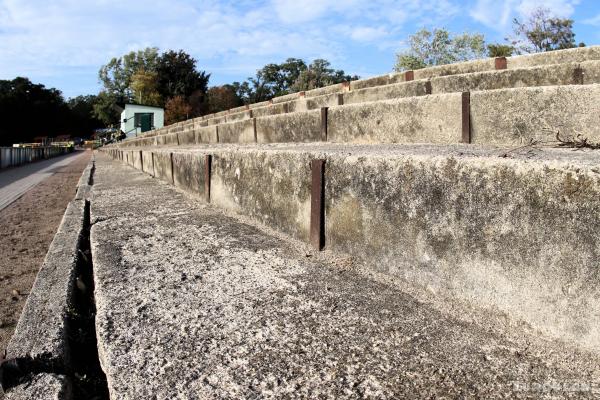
x,y
511,230
541,69
513,117
195,303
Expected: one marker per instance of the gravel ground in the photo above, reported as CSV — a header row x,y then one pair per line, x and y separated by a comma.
x,y
28,226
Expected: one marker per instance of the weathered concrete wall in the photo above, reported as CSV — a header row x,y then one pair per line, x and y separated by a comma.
x,y
515,236
187,137
42,386
387,92
238,116
273,188
566,74
237,132
579,54
206,134
162,166
137,159
326,100
432,119
458,68
391,78
295,127
188,172
518,116
279,108
148,162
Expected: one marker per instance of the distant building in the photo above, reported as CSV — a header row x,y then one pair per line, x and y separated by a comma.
x,y
136,119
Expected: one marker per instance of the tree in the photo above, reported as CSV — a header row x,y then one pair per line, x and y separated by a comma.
x,y
177,109
106,109
29,110
500,50
439,47
178,76
319,74
222,98
145,88
82,119
117,74
543,32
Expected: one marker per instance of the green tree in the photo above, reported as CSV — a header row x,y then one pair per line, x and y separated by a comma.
x,y
439,47
500,50
319,74
178,76
106,109
144,85
543,32
117,74
82,118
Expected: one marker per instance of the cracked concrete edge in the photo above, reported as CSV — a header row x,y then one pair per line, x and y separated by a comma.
x,y
42,387
41,334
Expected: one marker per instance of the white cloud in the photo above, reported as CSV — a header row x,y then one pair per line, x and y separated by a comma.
x,y
497,14
595,21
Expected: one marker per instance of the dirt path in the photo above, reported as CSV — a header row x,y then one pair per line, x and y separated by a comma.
x,y
27,227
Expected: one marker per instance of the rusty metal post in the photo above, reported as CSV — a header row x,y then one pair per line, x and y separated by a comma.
x,y
340,99
317,209
207,175
142,161
466,117
409,76
500,63
153,167
172,169
324,124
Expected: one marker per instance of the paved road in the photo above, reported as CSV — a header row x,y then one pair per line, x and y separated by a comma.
x,y
16,181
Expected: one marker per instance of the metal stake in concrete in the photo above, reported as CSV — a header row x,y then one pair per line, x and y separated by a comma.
x,y
317,210
409,76
153,170
254,130
207,174
141,161
466,117
340,99
172,169
578,76
324,124
500,63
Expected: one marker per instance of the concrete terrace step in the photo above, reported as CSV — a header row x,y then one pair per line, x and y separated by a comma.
x,y
193,303
500,117
515,231
329,94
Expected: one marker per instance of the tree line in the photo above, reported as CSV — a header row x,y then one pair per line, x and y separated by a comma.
x,y
172,80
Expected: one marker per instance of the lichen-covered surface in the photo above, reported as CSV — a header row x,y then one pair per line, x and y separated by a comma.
x,y
380,80
237,132
188,172
42,387
458,68
579,54
424,119
387,92
273,188
293,127
520,116
547,75
195,304
206,134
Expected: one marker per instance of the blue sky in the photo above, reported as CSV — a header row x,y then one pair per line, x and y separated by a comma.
x,y
62,43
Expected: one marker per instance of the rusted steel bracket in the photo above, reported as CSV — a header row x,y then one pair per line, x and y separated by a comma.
x,y
172,169
324,124
466,117
317,199
142,161
500,63
207,174
409,76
